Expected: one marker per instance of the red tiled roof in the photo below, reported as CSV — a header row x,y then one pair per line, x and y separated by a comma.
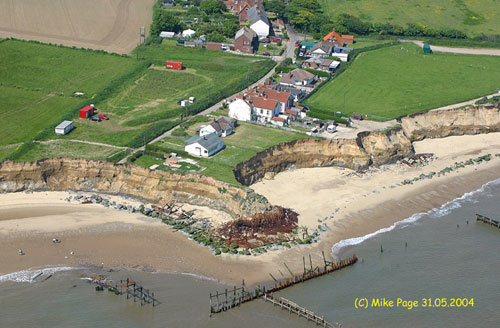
x,y
291,111
281,96
334,35
347,36
279,119
263,103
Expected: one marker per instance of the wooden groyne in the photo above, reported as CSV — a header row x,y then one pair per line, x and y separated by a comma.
x,y
128,287
288,305
487,220
223,301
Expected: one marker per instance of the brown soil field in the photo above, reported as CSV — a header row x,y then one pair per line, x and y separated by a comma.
x,y
110,25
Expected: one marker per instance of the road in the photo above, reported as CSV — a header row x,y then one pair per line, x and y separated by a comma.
x,y
466,51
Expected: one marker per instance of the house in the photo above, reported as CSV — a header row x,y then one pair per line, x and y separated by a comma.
x,y
265,109
299,78
279,121
167,35
204,146
87,111
341,53
322,64
321,49
245,40
341,40
293,113
259,22
241,110
222,127
283,97
348,39
189,33
64,127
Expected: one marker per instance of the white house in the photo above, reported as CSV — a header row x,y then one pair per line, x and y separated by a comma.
x,y
241,110
321,49
258,21
279,121
265,109
64,127
204,146
189,33
222,127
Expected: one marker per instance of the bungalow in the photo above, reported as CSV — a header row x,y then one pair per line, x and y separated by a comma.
x,y
265,109
322,64
204,146
321,49
245,40
300,79
222,127
241,110
259,22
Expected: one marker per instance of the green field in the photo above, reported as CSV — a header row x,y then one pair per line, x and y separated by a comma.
x,y
37,83
152,96
393,81
471,16
68,149
248,140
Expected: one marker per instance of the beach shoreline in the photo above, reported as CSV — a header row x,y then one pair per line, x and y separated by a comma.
x,y
105,237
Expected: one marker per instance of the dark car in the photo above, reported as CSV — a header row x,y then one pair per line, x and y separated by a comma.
x,y
103,117
181,41
266,54
95,118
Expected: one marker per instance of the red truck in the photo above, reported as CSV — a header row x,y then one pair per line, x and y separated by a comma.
x,y
173,64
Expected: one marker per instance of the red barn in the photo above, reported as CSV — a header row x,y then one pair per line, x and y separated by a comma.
x,y
173,64
86,111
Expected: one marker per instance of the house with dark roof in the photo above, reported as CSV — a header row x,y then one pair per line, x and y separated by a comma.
x,y
204,146
321,49
321,64
223,127
258,21
299,79
246,40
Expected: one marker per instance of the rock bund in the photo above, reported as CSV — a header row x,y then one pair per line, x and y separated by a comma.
x,y
369,148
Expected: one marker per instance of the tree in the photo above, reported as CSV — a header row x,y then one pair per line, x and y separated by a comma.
x,y
216,37
275,6
212,6
164,21
303,20
229,28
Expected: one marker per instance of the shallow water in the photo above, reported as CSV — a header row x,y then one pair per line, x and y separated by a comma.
x,y
440,260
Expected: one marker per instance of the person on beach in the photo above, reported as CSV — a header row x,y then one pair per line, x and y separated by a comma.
x,y
20,252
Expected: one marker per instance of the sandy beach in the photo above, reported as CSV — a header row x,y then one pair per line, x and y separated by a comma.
x,y
347,203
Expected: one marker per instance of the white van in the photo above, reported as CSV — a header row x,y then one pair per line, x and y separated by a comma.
x,y
331,128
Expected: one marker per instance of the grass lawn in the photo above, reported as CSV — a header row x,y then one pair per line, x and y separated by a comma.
x,y
398,80
473,17
68,149
363,43
38,81
247,141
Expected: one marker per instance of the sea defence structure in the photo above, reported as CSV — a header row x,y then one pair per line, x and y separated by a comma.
x,y
369,148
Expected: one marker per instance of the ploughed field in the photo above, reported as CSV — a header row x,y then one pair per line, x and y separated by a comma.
x,y
398,80
110,25
472,17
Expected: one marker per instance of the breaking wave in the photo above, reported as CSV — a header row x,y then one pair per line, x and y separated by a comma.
x,y
445,209
30,275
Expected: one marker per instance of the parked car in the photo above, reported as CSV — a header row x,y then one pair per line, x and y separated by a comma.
x,y
103,117
276,39
357,117
266,54
95,118
297,43
264,40
181,41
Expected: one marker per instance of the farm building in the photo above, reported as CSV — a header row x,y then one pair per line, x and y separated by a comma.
x,y
173,64
64,127
87,111
204,146
168,35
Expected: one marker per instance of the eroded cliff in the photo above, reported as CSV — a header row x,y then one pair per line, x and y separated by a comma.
x,y
371,147
158,187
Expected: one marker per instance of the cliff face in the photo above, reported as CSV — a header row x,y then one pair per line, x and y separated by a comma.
x,y
156,186
368,148
444,123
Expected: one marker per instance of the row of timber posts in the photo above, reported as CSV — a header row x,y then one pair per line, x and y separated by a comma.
x,y
220,302
286,304
487,220
138,292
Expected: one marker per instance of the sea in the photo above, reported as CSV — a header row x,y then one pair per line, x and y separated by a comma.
x,y
439,269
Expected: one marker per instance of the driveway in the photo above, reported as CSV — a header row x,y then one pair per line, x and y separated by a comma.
x,y
466,51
